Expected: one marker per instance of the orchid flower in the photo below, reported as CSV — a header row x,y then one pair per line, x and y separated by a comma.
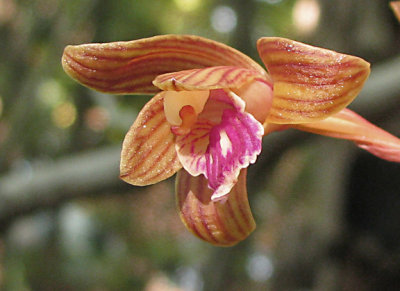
x,y
211,108
395,5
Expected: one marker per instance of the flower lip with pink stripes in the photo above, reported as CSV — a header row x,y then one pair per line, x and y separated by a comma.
x,y
211,108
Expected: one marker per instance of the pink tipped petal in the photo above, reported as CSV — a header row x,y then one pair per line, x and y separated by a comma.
x,y
395,5
148,152
206,78
346,124
131,66
221,223
310,83
220,148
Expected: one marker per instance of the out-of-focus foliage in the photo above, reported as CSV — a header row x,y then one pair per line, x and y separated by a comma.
x,y
135,241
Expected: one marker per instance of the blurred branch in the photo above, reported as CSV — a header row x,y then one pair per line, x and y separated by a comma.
x,y
48,184
382,90
97,172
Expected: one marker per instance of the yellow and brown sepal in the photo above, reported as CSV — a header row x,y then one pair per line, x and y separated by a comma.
x,y
310,83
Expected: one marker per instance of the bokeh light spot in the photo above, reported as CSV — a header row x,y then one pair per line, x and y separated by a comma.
x,y
50,93
259,267
8,10
97,118
223,19
306,15
64,115
187,5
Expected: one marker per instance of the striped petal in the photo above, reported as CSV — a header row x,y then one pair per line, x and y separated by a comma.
x,y
395,5
206,78
131,66
224,140
310,83
148,152
221,223
348,125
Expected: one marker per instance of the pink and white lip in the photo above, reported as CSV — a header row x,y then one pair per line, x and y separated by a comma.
x,y
224,140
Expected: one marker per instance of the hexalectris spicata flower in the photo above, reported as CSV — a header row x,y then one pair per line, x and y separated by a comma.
x,y
395,5
212,107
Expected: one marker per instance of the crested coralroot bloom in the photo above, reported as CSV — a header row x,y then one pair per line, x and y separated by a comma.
x,y
395,5
211,108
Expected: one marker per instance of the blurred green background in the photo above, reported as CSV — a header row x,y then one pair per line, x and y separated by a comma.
x,y
328,214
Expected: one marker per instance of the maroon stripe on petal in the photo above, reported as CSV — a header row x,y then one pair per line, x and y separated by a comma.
x,y
204,202
215,222
233,216
139,62
148,153
306,77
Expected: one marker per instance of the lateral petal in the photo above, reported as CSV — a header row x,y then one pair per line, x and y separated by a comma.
x,y
221,223
131,66
148,151
346,124
224,140
395,5
310,83
206,78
